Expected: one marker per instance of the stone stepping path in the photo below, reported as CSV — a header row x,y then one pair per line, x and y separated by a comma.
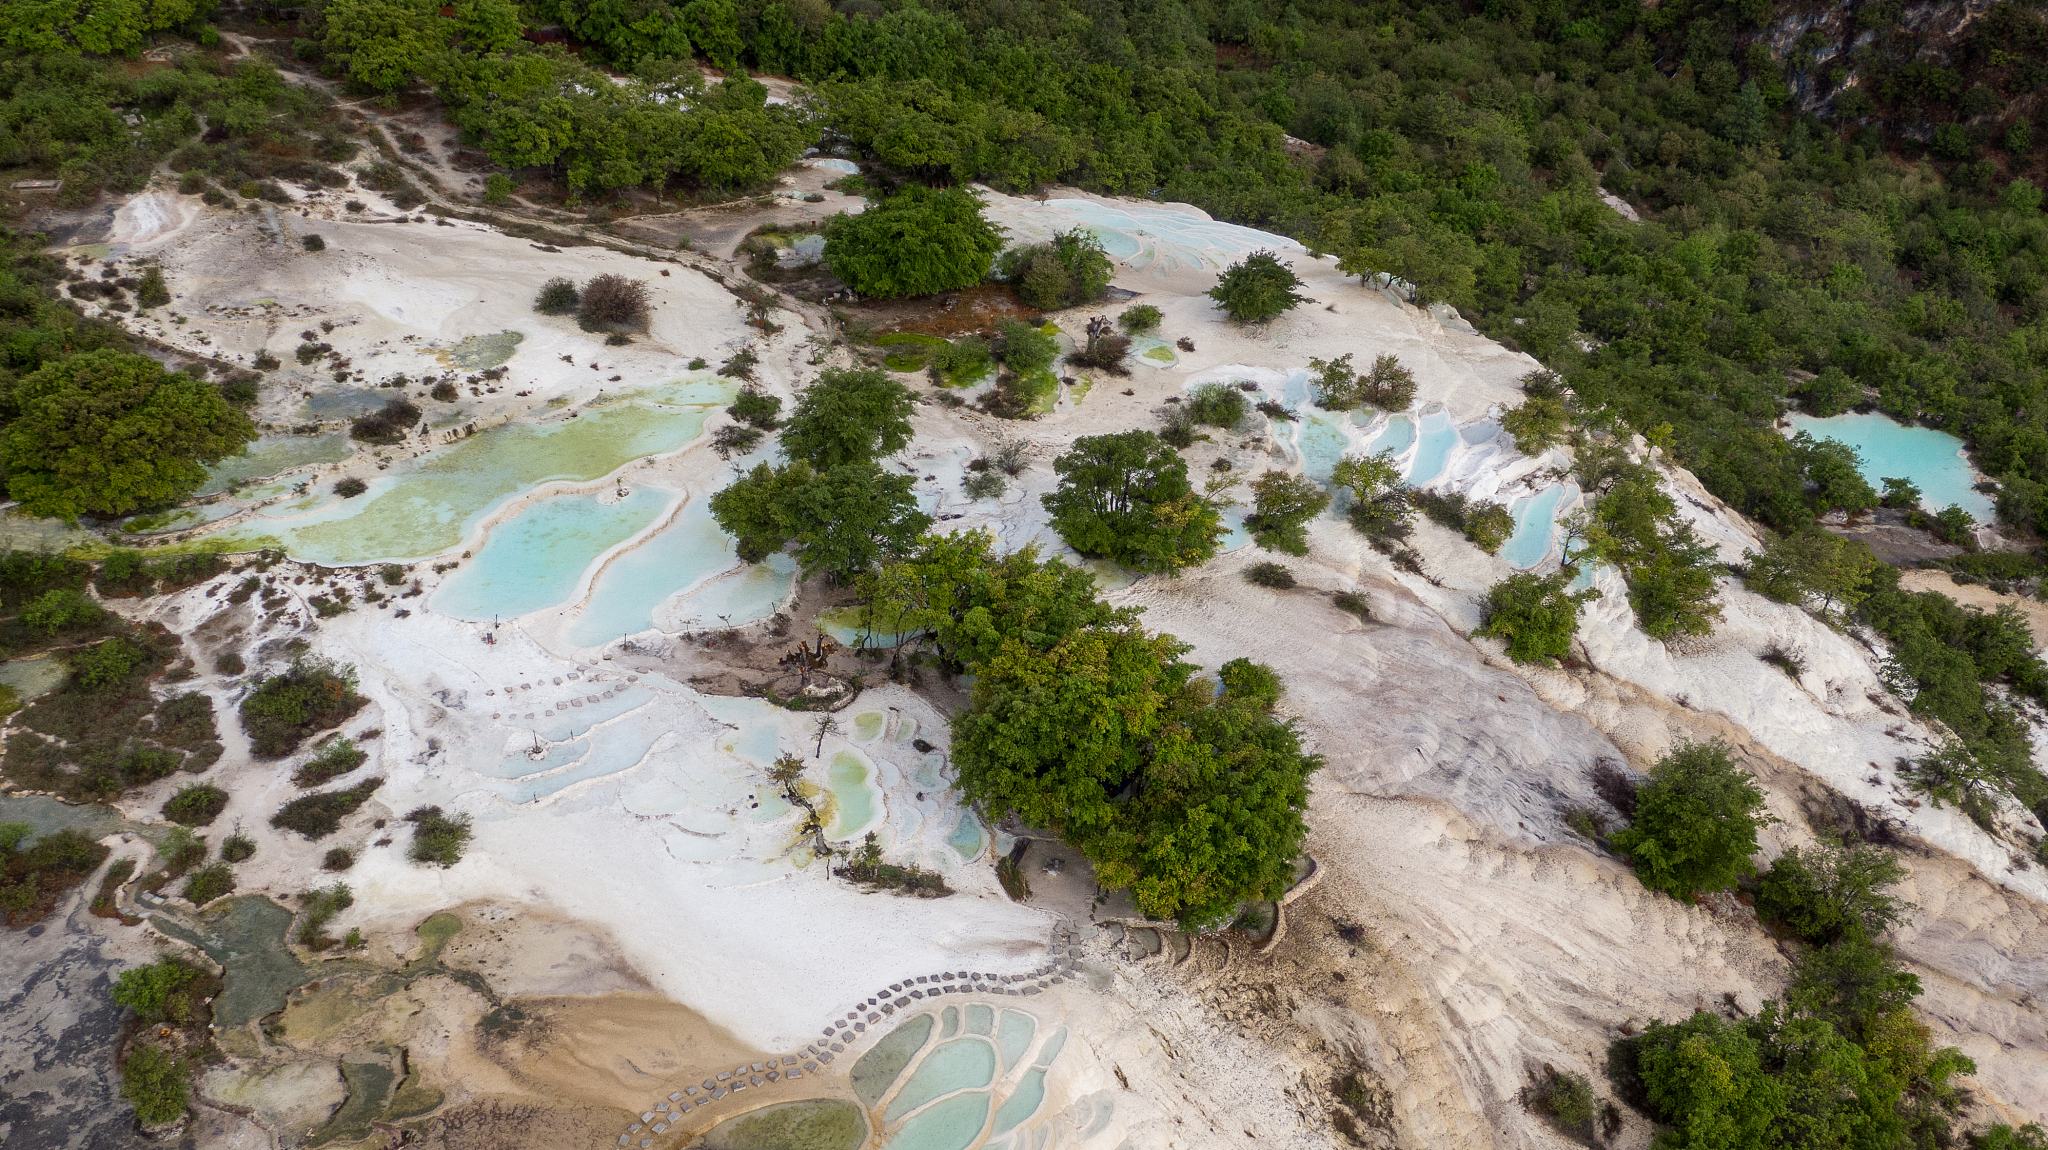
x,y
666,1115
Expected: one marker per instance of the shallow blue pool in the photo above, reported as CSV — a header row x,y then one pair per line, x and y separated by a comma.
x,y
1932,459
1399,434
536,559
685,553
1434,452
1535,527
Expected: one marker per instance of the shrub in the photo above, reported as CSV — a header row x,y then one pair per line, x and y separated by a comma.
x,y
1025,349
1536,615
313,243
321,905
612,301
1257,288
961,362
309,352
1565,1098
157,992
735,439
319,815
237,847
196,806
387,425
105,664
313,695
557,297
1071,270
1387,386
981,485
154,1083
1139,318
333,761
755,409
153,292
60,610
1274,575
1695,822
437,839
338,859
1282,506
1488,525
1830,890
445,392
209,883
497,188
350,488
1218,405
850,415
1353,603
1104,350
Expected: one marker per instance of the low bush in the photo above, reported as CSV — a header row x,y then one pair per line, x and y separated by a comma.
x,y
984,485
1274,575
106,664
445,392
32,878
1139,318
1536,615
755,409
318,815
158,992
1282,506
237,847
154,1082
331,762
338,859
438,839
1218,405
1351,602
350,488
735,439
867,868
229,663
209,883
612,301
558,296
314,695
386,425
313,243
1566,1099
320,906
196,806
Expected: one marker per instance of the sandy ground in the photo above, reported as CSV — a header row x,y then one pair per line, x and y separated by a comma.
x,y
1492,939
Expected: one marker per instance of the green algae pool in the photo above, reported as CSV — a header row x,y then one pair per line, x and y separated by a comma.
x,y
431,505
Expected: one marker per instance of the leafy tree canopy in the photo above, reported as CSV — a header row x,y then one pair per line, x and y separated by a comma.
x,y
1695,822
1257,288
850,415
1536,615
1126,497
916,242
106,433
843,520
1193,802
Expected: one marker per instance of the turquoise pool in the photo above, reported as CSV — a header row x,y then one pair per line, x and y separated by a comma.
x,y
1932,459
1535,527
690,550
1433,453
536,559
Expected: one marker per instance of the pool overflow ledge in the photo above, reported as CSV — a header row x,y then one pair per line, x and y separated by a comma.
x,y
841,1035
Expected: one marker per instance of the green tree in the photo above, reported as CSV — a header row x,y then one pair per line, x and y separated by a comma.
x,y
1191,801
384,44
1026,350
105,433
850,415
1282,505
847,518
61,609
1695,823
916,242
1071,270
1489,525
1127,498
956,594
1538,423
1536,615
1335,382
156,992
1811,562
1833,471
842,520
1257,288
1833,889
154,1083
102,27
